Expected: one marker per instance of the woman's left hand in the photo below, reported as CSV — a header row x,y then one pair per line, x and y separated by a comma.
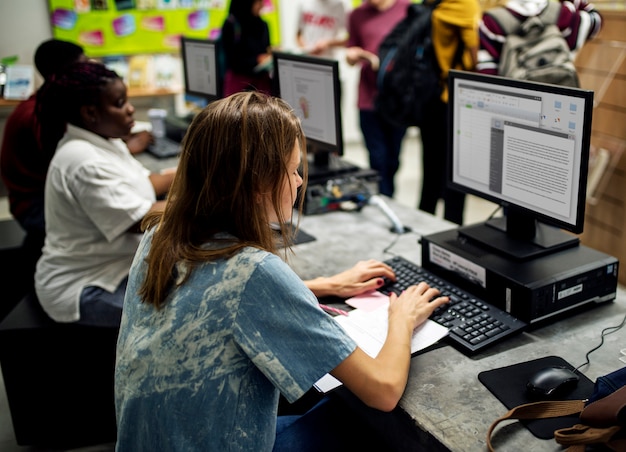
x,y
364,276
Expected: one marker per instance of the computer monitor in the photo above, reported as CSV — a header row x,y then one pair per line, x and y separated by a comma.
x,y
524,146
311,86
202,68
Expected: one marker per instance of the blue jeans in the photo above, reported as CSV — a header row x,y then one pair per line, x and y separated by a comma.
x,y
329,426
99,307
383,142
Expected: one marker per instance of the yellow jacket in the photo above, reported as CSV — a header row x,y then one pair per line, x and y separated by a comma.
x,y
454,21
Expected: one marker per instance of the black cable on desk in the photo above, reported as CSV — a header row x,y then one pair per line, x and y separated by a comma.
x,y
608,330
395,240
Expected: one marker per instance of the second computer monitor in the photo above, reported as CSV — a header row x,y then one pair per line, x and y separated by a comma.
x,y
202,68
311,86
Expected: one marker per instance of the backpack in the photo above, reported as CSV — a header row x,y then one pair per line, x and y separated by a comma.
x,y
408,76
535,49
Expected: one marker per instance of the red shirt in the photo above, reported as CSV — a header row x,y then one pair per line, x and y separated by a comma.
x,y
23,165
367,27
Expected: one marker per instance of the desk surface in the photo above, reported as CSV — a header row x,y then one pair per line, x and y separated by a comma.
x,y
444,397
444,400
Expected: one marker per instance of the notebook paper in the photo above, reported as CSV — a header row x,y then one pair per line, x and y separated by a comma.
x,y
369,331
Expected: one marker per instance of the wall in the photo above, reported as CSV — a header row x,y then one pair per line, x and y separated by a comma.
x,y
602,68
23,25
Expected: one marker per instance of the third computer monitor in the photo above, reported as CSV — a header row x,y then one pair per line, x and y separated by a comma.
x,y
524,146
311,86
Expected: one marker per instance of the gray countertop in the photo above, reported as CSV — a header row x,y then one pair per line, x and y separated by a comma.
x,y
444,397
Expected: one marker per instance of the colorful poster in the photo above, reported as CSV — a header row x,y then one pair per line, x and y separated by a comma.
x,y
127,27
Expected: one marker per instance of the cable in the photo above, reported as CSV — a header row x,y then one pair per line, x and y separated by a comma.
x,y
396,224
395,240
494,213
605,332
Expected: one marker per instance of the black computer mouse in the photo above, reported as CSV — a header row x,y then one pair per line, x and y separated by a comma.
x,y
552,382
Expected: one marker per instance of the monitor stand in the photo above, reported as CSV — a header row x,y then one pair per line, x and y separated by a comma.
x,y
514,237
326,165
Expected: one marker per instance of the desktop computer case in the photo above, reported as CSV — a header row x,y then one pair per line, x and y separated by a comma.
x,y
536,290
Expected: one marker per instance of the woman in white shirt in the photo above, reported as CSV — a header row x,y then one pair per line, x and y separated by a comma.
x,y
96,195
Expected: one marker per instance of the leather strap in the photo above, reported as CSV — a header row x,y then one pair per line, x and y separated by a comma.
x,y
538,410
583,434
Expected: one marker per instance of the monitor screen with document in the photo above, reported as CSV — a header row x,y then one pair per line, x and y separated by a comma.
x,y
202,69
524,146
311,86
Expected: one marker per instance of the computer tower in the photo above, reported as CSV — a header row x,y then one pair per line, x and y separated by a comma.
x,y
536,290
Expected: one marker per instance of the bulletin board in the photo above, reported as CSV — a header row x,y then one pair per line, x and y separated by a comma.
x,y
128,27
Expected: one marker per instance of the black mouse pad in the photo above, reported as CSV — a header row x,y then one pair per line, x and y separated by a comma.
x,y
508,384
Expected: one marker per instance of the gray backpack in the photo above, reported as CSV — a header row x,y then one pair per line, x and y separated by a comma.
x,y
535,49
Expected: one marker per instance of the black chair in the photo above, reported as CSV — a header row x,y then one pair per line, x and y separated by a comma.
x,y
58,379
16,265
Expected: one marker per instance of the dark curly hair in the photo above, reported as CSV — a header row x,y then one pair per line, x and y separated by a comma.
x,y
60,98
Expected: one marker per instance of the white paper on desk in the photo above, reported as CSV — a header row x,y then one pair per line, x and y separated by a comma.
x,y
369,331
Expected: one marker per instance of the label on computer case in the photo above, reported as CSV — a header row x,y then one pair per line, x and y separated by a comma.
x,y
569,291
453,262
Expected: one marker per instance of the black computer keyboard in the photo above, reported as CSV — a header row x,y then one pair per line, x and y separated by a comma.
x,y
164,147
474,324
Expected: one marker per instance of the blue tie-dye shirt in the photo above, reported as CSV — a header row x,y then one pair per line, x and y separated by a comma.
x,y
205,371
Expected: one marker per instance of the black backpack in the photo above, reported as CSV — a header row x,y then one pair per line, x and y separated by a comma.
x,y
408,77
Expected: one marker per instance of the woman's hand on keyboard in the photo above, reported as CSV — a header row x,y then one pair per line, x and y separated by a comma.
x,y
414,305
363,277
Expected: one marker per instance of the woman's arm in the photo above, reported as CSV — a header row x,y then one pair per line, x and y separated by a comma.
x,y
139,141
364,276
162,181
157,206
380,382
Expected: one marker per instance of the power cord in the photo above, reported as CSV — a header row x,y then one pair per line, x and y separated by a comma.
x,y
493,214
605,332
387,249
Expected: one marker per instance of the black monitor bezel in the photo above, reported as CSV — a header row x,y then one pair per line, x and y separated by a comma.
x,y
317,146
218,68
587,95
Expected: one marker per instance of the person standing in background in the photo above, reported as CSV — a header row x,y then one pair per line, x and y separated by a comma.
x,y
578,21
246,45
455,39
367,27
321,26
